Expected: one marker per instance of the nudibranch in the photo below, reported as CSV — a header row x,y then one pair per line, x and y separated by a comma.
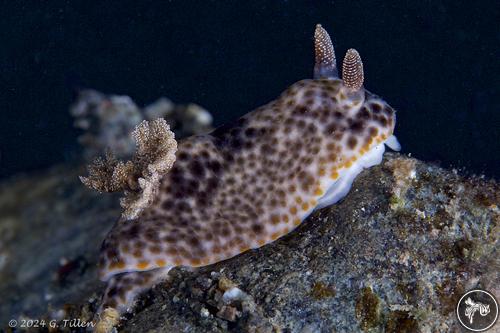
x,y
249,183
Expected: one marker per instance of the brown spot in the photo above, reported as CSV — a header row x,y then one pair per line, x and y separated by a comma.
x,y
300,110
151,236
331,128
225,231
363,114
372,131
132,232
197,168
139,245
376,107
193,241
169,239
382,120
167,205
155,249
273,202
275,219
172,251
309,93
257,228
351,142
125,248
357,126
182,156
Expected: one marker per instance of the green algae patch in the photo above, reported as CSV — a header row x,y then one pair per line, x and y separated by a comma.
x,y
368,309
321,291
400,322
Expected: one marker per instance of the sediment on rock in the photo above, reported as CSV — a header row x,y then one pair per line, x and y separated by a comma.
x,y
394,256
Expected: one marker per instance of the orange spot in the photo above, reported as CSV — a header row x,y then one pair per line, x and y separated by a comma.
x,y
318,191
296,221
384,136
177,262
334,175
322,172
293,210
286,230
142,265
275,235
348,164
298,200
160,262
275,219
261,242
305,206
313,202
244,248
285,218
195,262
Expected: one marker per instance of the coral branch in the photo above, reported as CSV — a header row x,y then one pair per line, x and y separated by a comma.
x,y
139,178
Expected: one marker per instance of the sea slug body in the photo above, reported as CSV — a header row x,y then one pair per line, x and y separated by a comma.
x,y
246,184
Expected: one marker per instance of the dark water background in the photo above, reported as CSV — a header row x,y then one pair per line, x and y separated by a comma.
x,y
436,62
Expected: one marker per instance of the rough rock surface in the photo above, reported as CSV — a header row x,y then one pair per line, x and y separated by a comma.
x,y
394,256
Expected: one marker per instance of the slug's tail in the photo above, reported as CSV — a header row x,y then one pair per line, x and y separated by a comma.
x,y
123,289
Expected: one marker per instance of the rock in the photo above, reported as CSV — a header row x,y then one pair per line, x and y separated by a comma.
x,y
108,121
394,256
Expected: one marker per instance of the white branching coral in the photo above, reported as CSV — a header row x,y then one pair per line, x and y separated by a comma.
x,y
138,179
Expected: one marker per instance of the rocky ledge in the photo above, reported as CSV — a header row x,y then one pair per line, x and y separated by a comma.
x,y
394,256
